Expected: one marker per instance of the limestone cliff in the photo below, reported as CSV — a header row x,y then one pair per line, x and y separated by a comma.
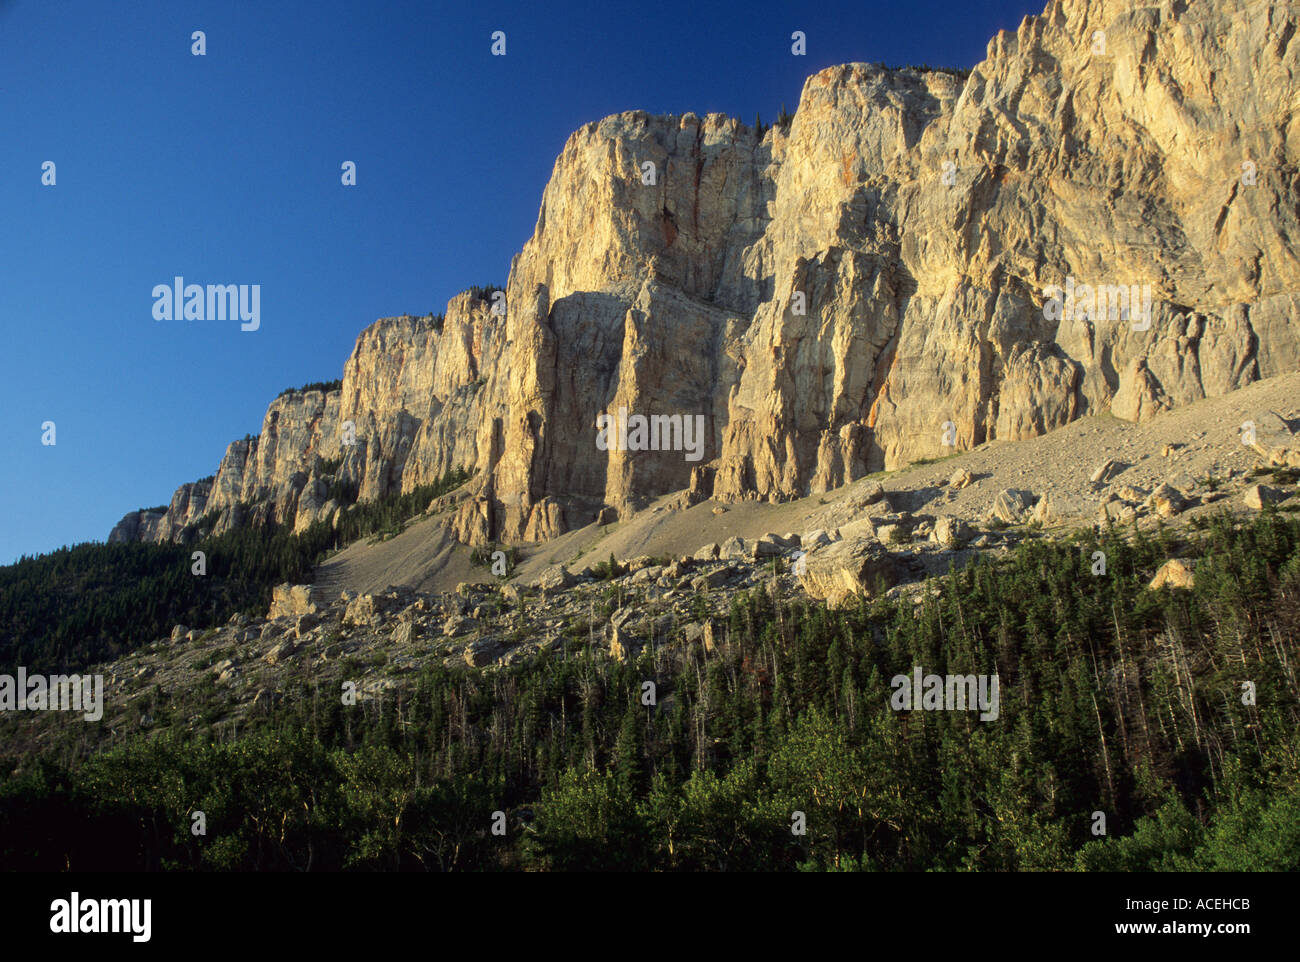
x,y
406,413
881,277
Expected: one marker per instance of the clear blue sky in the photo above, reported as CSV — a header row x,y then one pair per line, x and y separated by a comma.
x,y
225,169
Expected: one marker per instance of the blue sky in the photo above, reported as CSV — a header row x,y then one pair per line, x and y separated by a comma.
x,y
226,169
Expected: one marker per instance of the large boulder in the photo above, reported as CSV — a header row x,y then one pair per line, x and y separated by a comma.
x,y
1258,495
894,533
708,553
556,578
646,575
736,549
281,651
484,652
1175,573
814,539
363,611
458,625
1167,501
871,492
290,601
768,547
1011,506
1107,470
858,528
950,532
1272,437
1045,511
713,579
839,571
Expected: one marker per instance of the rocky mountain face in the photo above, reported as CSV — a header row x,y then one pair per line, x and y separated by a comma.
x,y
406,413
1099,217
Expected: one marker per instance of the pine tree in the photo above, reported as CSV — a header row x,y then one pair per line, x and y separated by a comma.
x,y
628,751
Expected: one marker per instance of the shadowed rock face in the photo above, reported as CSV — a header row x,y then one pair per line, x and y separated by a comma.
x,y
837,296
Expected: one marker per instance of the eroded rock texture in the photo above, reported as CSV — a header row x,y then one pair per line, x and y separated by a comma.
x,y
830,295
